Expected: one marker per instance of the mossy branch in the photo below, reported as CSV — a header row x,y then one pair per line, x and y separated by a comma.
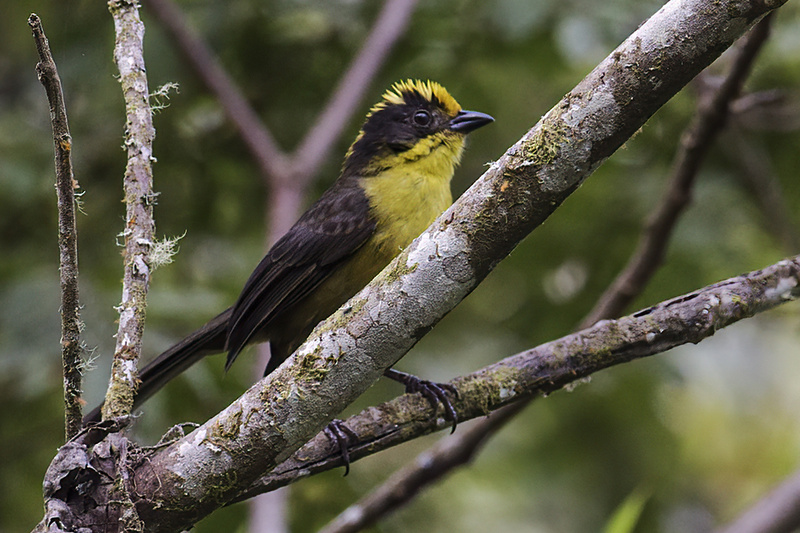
x,y
351,350
552,366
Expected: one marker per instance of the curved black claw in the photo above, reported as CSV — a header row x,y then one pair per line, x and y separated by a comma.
x,y
436,393
343,437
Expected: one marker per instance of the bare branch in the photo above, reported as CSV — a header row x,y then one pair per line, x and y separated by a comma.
x,y
298,170
388,28
139,200
271,160
67,231
710,117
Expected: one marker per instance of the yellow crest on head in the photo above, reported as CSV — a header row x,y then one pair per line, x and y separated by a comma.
x,y
429,90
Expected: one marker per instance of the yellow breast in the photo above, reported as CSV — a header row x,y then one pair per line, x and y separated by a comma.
x,y
411,190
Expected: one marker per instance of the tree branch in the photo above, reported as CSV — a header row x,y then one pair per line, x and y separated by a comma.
x,y
540,371
431,465
139,200
428,467
67,231
709,119
350,350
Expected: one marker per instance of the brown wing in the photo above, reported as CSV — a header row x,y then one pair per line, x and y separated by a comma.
x,y
324,237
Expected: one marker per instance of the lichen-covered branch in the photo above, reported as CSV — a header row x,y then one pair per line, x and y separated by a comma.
x,y
551,366
180,482
709,119
139,200
431,465
347,353
67,231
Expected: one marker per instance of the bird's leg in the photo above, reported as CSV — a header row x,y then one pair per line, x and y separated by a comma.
x,y
343,437
436,393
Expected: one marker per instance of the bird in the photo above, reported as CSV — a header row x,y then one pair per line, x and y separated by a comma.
x,y
394,182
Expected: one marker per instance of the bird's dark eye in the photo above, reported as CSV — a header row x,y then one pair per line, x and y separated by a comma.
x,y
422,118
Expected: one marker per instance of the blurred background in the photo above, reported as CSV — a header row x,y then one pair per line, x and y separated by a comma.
x,y
697,434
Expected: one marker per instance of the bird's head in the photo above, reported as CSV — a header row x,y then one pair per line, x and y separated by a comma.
x,y
415,119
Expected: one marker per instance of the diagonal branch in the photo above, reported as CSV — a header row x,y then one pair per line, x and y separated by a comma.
x,y
709,120
276,166
67,231
551,366
271,160
387,29
433,464
348,352
778,512
428,467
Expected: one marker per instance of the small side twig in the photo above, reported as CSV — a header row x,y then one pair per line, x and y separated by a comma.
x,y
67,231
709,120
139,199
386,30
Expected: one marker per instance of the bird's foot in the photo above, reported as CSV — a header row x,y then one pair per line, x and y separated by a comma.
x,y
436,393
343,437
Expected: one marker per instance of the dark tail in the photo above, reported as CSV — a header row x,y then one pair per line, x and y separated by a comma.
x,y
208,340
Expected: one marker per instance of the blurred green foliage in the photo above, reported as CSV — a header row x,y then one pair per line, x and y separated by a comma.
x,y
704,429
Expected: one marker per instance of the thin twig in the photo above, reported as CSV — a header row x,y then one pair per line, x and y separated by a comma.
x,y
642,265
67,231
709,119
388,28
269,157
755,168
139,200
